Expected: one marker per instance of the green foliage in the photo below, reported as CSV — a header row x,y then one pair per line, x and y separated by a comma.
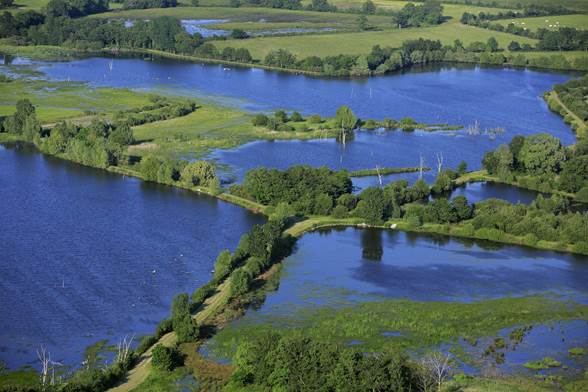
x,y
260,120
543,364
303,187
345,119
411,15
340,212
542,154
199,173
165,358
371,206
302,364
223,265
183,324
240,282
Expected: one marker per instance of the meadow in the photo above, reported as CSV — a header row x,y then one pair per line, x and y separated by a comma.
x,y
579,21
454,11
57,101
251,15
580,5
361,43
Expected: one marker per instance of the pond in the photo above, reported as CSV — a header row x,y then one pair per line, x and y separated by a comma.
x,y
345,267
88,255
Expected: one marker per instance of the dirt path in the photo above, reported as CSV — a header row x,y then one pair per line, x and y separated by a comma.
x,y
582,126
139,373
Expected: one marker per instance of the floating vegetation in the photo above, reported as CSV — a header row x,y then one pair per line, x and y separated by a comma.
x,y
543,364
576,352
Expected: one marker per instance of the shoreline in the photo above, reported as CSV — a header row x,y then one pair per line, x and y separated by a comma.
x,y
55,53
317,222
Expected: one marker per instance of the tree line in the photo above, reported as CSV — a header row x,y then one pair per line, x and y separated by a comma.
x,y
540,162
572,94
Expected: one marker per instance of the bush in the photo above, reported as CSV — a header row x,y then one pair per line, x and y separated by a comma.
x,y
163,327
340,212
296,117
145,343
260,120
165,358
315,119
240,282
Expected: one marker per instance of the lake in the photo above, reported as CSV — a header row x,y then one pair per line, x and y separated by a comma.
x,y
456,95
88,255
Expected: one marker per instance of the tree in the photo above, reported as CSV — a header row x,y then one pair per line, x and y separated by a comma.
x,y
492,45
435,368
183,324
162,31
514,46
240,282
239,34
195,3
371,206
223,265
281,116
368,8
542,154
345,119
165,358
199,173
362,22
259,120
296,117
505,162
462,168
574,174
122,134
462,208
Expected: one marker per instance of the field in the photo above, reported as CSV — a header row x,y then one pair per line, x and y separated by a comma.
x,y
252,15
23,5
58,101
361,43
455,11
579,21
580,5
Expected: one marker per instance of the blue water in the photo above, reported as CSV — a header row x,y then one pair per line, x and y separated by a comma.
x,y
88,255
507,98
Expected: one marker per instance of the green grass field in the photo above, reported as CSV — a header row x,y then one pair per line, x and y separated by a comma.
x,y
210,127
244,14
24,5
579,21
361,43
58,101
580,5
455,11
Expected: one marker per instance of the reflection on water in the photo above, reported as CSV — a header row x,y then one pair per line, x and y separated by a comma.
x,y
347,264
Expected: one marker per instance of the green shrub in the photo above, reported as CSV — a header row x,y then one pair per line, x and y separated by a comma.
x,y
240,282
315,119
145,343
340,212
165,358
260,120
